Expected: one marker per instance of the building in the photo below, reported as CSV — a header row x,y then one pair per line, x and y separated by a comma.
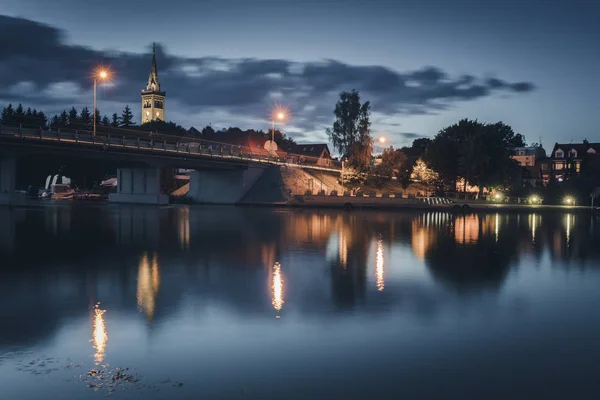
x,y
310,153
153,99
568,159
527,156
249,142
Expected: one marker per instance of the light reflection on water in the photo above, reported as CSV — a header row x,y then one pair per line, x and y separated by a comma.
x,y
277,287
379,267
99,336
442,287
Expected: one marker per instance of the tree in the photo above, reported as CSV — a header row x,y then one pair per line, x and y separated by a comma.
x,y
98,117
8,114
86,117
421,172
476,152
127,117
105,121
115,121
19,111
73,117
207,131
167,128
55,122
350,134
40,118
64,118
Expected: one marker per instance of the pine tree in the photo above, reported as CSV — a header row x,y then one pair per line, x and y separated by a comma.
x,y
85,117
73,118
40,118
7,114
115,121
64,119
55,122
105,121
98,117
19,115
127,117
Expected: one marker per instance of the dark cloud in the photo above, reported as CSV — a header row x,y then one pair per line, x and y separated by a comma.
x,y
42,59
410,135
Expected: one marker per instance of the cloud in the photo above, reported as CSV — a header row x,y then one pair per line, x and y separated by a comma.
x,y
410,135
41,69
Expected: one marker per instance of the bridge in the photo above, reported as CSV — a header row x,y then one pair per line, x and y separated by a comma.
x,y
222,173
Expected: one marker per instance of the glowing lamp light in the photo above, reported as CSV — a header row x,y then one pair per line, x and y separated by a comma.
x,y
533,199
569,200
382,140
280,116
497,196
103,74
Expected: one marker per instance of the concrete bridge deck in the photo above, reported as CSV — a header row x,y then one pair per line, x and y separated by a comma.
x,y
183,154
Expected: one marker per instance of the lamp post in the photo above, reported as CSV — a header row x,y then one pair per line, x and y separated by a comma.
x,y
280,116
102,75
382,140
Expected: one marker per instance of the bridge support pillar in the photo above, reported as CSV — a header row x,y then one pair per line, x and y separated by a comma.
x,y
138,186
8,175
222,186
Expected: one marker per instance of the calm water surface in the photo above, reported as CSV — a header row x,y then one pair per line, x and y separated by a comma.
x,y
232,303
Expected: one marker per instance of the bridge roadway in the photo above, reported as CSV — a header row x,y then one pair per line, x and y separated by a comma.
x,y
218,177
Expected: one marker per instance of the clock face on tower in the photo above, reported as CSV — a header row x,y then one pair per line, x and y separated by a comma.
x,y
148,113
157,113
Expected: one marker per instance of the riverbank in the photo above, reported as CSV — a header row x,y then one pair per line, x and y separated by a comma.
x,y
423,203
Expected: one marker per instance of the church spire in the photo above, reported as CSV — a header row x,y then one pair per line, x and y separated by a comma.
x,y
153,84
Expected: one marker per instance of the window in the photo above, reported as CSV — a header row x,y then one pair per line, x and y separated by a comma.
x,y
573,153
578,167
521,152
559,153
591,151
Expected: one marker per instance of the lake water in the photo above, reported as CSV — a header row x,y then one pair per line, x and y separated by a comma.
x,y
242,303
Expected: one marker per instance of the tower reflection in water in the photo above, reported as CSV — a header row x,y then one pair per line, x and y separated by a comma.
x,y
147,285
379,271
99,334
277,287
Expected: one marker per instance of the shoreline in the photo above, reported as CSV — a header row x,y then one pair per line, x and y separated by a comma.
x,y
348,204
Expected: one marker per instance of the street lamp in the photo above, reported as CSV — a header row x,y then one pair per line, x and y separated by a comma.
x,y
280,116
101,74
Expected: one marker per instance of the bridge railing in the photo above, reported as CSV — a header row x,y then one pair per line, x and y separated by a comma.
x,y
191,147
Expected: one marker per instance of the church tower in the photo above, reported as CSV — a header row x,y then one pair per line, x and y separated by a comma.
x,y
153,100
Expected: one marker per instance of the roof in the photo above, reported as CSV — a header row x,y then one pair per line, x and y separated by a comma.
x,y
580,148
529,151
193,131
309,149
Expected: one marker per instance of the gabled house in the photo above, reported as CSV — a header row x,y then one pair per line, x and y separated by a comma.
x,y
528,156
567,159
310,153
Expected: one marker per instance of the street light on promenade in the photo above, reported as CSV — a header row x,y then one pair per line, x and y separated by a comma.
x,y
278,114
103,75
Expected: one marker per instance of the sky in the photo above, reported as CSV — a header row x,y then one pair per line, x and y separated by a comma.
x,y
423,64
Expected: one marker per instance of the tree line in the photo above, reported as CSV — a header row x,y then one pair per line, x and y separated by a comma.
x,y
469,151
118,123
